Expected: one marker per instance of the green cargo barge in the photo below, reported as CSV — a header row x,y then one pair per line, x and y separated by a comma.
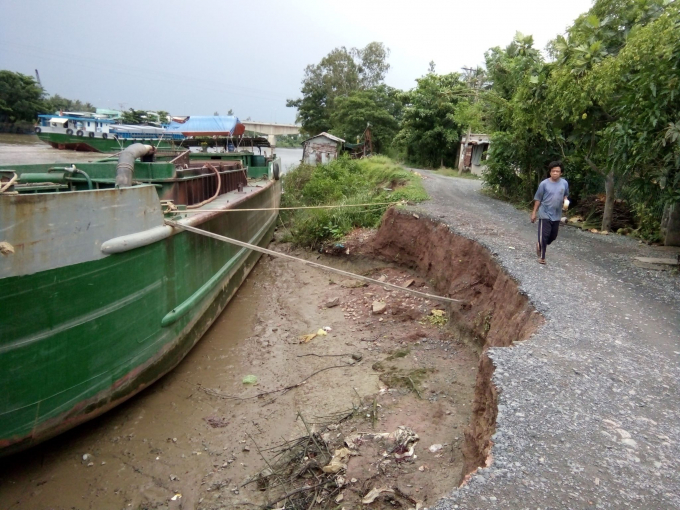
x,y
100,297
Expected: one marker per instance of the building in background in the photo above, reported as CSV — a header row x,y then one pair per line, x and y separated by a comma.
x,y
321,148
473,153
111,114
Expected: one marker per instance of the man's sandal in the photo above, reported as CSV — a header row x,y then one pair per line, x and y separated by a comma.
x,y
541,261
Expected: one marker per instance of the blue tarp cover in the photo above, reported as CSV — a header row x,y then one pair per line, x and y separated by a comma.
x,y
208,125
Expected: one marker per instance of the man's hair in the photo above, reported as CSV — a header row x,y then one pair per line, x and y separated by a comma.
x,y
553,164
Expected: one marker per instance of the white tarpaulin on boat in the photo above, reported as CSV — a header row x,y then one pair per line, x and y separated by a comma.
x,y
59,120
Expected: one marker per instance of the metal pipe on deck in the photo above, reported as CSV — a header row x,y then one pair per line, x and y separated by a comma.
x,y
126,163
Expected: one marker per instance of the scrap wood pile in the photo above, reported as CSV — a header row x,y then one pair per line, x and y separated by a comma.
x,y
310,471
590,210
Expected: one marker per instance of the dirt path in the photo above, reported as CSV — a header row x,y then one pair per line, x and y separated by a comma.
x,y
194,439
589,407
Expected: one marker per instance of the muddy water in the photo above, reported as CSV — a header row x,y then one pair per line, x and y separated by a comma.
x,y
26,149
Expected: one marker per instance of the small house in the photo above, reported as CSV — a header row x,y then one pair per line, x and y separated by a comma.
x,y
321,148
473,153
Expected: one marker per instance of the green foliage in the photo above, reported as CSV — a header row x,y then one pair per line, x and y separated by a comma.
x,y
339,74
607,105
134,117
160,117
343,181
21,98
57,103
379,106
430,132
289,140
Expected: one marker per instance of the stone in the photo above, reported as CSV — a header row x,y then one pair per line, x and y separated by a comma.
x,y
333,302
379,307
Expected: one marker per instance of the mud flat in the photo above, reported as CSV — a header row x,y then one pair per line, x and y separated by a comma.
x,y
393,406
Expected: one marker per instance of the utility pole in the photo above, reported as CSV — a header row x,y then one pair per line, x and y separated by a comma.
x,y
37,77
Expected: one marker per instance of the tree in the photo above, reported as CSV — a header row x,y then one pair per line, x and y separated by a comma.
x,y
380,107
338,74
163,116
430,132
57,103
133,116
588,85
21,98
372,62
512,106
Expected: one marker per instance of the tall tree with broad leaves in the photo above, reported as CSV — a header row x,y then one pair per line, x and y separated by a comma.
x,y
430,132
589,85
338,74
21,98
378,106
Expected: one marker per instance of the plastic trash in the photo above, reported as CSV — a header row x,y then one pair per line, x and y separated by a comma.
x,y
306,338
250,379
338,462
374,493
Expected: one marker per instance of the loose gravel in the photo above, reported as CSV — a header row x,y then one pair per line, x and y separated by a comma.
x,y
589,407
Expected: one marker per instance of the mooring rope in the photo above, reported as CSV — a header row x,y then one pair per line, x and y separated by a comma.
x,y
9,183
290,208
308,262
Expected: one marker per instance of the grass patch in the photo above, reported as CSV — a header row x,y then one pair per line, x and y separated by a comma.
x,y
343,182
452,172
399,353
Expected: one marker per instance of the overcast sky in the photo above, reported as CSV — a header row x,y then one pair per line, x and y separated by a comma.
x,y
198,57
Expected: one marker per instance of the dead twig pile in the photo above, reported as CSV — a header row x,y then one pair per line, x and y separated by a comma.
x,y
304,473
591,209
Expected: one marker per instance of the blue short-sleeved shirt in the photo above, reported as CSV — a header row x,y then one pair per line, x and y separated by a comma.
x,y
551,196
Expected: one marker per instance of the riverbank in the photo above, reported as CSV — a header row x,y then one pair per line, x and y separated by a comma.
x,y
199,431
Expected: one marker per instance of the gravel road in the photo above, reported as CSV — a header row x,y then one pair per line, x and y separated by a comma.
x,y
589,408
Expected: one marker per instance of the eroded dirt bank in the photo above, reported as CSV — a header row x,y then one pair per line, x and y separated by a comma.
x,y
492,312
388,392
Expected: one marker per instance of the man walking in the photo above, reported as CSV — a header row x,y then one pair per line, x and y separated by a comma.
x,y
549,200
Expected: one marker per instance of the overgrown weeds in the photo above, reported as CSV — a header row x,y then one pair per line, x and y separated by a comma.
x,y
376,180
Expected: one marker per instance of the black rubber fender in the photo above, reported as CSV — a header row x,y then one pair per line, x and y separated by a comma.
x,y
276,171
37,130
69,131
105,136
79,132
90,134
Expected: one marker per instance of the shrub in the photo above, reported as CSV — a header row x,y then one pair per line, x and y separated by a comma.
x,y
343,182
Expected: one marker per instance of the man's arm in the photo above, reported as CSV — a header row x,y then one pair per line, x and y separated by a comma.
x,y
537,204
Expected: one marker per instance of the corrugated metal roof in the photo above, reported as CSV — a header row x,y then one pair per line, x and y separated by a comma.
x,y
222,125
327,135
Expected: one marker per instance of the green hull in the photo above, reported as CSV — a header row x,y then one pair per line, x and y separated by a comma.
x,y
95,144
80,339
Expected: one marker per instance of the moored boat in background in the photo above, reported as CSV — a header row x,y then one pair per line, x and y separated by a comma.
x,y
100,297
90,132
